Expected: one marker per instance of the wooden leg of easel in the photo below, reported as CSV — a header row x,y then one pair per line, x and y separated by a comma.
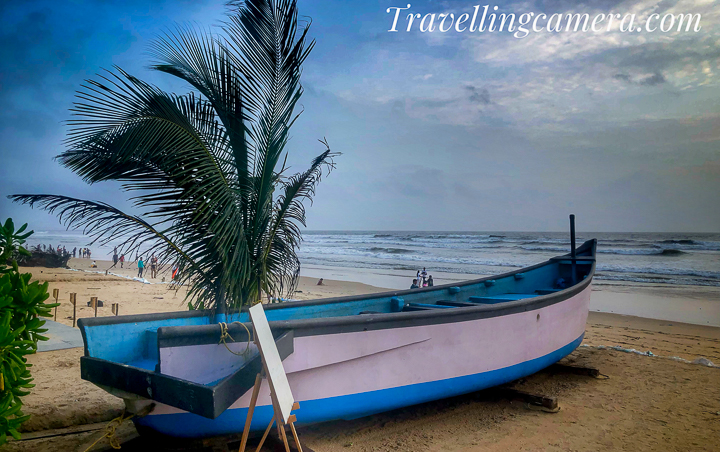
x,y
297,440
251,409
283,435
267,430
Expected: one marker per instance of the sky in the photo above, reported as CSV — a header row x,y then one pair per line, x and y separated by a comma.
x,y
438,131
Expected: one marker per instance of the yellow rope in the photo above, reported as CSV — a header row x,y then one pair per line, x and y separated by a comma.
x,y
225,335
110,430
112,426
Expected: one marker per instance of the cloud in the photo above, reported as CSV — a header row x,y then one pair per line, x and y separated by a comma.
x,y
480,96
650,80
655,79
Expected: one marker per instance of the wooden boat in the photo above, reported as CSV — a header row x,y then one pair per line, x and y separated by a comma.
x,y
345,357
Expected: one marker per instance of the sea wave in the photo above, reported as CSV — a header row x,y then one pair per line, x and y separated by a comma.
x,y
619,251
712,275
414,257
661,280
377,249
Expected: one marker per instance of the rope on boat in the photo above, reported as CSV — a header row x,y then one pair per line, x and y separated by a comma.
x,y
224,334
110,430
113,425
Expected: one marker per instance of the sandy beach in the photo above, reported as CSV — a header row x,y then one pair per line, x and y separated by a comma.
x,y
648,403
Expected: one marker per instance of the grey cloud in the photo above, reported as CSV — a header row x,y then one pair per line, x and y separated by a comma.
x,y
480,96
433,103
623,77
655,79
656,57
651,80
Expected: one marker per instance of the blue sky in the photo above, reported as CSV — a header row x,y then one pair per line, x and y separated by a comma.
x,y
438,131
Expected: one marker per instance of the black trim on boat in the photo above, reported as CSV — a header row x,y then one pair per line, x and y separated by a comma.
x,y
204,400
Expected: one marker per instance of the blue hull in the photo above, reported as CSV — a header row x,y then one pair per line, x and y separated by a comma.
x,y
351,406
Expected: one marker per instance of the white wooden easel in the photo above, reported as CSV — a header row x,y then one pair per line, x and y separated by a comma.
x,y
280,394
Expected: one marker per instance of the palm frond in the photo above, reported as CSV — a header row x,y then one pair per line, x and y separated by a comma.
x,y
206,168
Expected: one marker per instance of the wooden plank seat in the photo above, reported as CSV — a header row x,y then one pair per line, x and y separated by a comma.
x,y
502,298
456,304
423,307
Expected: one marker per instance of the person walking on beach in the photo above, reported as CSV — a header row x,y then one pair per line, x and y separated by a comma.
x,y
141,267
122,260
115,257
74,251
153,266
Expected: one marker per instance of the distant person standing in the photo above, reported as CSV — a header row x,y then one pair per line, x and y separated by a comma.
x,y
430,281
74,251
115,257
122,260
414,284
89,253
141,267
153,266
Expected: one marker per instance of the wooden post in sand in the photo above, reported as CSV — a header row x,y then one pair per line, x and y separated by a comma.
x,y
73,300
56,293
94,304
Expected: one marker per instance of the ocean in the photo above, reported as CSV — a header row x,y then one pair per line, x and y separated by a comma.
x,y
678,259
660,258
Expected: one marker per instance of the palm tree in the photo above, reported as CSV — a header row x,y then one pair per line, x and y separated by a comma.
x,y
208,168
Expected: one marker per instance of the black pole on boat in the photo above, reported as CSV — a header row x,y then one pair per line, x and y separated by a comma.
x,y
572,248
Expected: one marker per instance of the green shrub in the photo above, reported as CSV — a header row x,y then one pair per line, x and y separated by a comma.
x,y
22,303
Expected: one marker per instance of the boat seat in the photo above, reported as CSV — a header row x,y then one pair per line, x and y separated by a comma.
x,y
502,298
547,291
423,307
456,304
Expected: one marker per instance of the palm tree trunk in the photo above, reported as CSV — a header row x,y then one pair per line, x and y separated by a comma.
x,y
220,298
